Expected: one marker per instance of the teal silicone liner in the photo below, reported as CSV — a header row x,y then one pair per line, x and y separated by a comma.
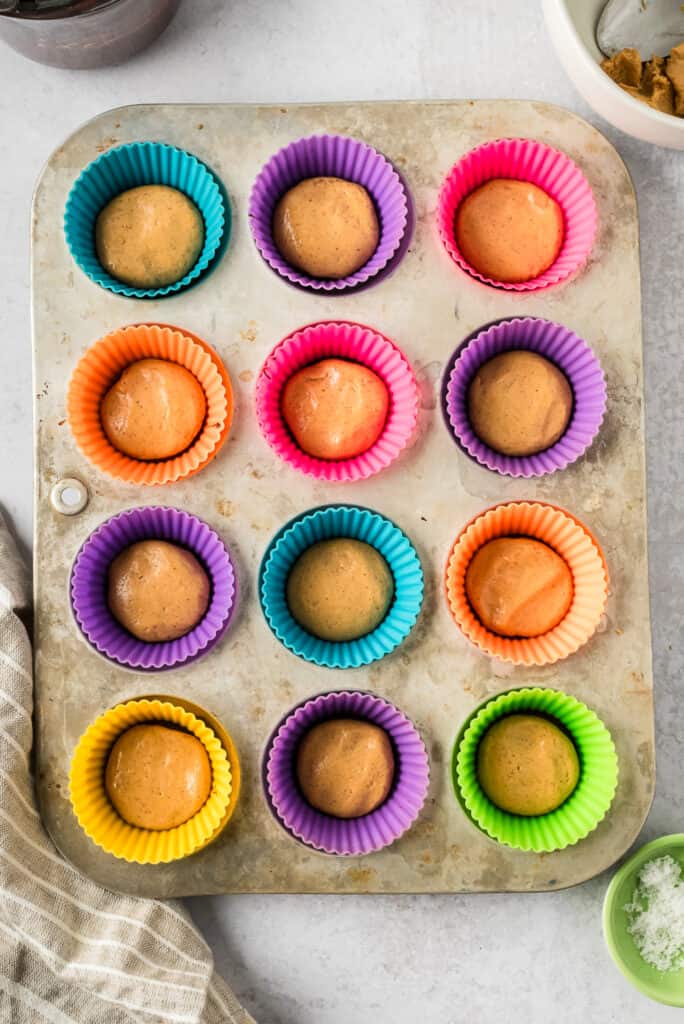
x,y
143,163
327,523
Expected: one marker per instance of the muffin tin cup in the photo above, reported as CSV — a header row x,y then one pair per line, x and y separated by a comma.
x,y
95,813
89,587
330,522
103,364
549,169
586,806
355,343
569,353
350,836
570,539
340,157
126,167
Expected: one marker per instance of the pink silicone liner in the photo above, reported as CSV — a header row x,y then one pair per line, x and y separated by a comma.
x,y
343,340
550,170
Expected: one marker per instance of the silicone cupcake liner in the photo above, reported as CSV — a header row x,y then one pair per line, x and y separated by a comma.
x,y
350,836
101,366
96,815
572,541
569,353
550,170
324,524
345,341
89,587
587,805
143,163
340,157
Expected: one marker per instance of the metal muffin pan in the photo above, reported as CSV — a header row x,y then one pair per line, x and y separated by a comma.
x,y
249,680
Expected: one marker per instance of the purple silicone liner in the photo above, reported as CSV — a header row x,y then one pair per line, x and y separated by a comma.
x,y
570,354
351,836
89,587
340,157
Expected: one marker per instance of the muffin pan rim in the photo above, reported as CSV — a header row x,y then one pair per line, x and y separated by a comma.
x,y
510,109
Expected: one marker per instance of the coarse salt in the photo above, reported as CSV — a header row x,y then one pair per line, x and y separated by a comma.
x,y
656,914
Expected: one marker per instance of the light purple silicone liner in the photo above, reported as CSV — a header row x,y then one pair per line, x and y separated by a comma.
x,y
340,157
570,354
89,587
350,836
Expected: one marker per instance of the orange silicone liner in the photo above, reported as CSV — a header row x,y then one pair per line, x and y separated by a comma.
x,y
101,366
572,541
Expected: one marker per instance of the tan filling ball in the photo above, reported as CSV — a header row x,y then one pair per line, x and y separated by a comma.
x,y
158,591
326,227
340,589
157,777
149,236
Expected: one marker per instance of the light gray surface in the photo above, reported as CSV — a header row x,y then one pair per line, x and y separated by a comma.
x,y
348,960
436,677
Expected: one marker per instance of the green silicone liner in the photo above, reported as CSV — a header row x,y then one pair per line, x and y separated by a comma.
x,y
584,808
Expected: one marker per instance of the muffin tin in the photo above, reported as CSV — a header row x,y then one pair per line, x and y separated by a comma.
x,y
427,306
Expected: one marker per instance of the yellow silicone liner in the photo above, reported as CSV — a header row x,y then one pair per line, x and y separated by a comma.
x,y
101,366
99,820
572,541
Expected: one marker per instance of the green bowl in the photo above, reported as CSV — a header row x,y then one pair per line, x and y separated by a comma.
x,y
586,806
664,987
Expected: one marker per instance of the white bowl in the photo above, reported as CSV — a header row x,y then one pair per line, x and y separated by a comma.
x,y
571,25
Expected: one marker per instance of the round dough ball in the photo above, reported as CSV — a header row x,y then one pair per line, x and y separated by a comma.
x,y
155,410
326,227
509,231
157,777
335,409
340,589
149,236
518,586
527,765
345,767
519,403
158,591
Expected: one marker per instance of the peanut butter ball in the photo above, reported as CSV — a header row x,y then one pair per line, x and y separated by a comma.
x,y
519,403
518,586
157,777
149,236
155,410
158,591
340,589
527,765
326,227
345,767
335,409
510,231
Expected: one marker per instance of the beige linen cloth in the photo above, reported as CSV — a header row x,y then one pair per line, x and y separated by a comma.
x,y
70,950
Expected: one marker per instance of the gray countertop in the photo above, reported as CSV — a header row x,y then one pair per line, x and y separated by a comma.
x,y
352,960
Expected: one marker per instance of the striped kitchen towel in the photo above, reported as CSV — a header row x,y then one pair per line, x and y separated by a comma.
x,y
70,950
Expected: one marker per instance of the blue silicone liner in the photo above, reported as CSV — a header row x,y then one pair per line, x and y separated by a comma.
x,y
143,163
325,524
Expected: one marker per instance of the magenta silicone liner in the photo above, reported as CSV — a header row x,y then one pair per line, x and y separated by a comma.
x,y
569,353
344,341
89,587
550,170
340,157
351,836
